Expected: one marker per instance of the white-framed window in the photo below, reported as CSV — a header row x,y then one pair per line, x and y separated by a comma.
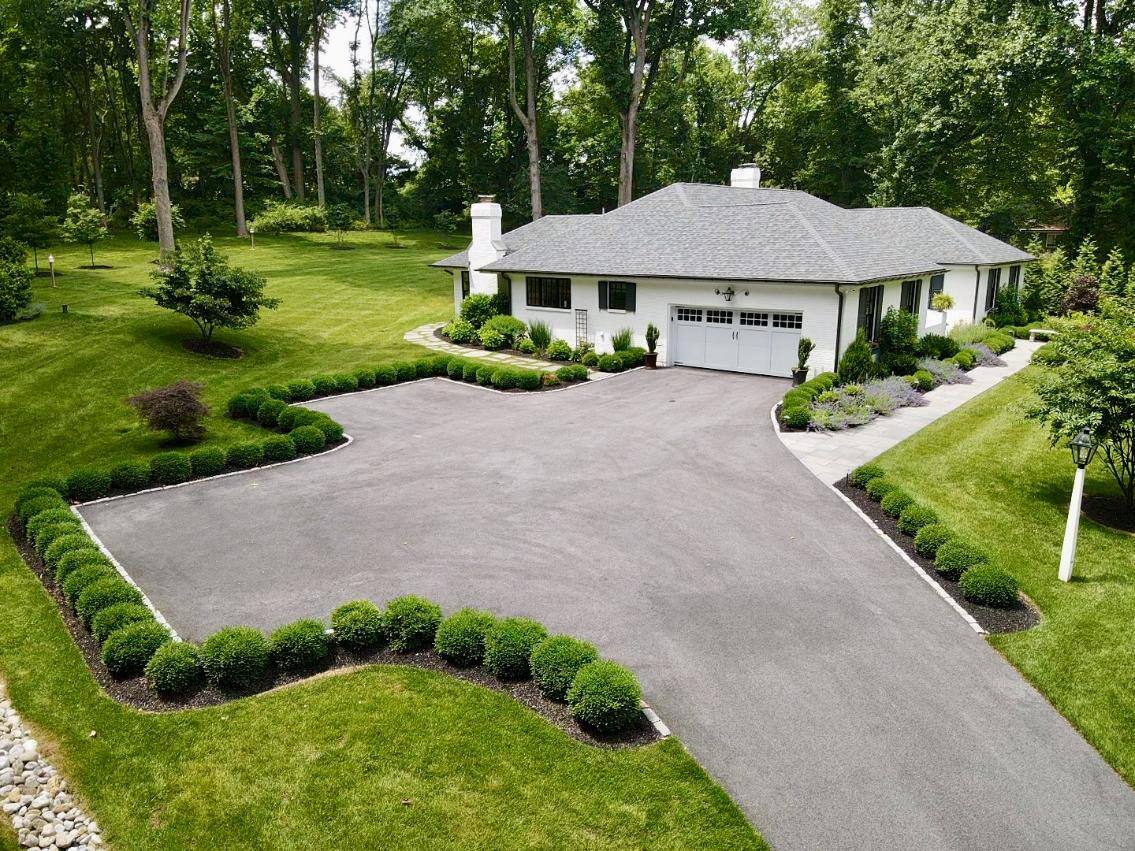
x,y
751,319
793,321
689,314
720,317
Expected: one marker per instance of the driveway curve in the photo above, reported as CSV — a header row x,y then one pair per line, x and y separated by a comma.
x,y
840,701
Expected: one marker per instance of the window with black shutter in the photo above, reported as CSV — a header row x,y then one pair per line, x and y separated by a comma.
x,y
549,292
937,284
617,295
1015,277
911,294
465,285
993,283
870,306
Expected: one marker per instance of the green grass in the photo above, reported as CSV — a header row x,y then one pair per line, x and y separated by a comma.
x,y
994,478
328,763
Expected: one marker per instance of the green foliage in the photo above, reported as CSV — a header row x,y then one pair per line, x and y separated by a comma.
x,y
914,517
176,409
572,372
590,359
509,327
50,517
857,363
410,623
923,380
929,538
460,638
79,579
325,385
74,559
898,342
307,439
88,483
128,650
83,223
115,616
346,382
605,696
278,447
207,461
358,625
864,475
540,334
508,646
145,220
937,346
955,557
175,668
460,331
130,476
804,349
478,309
558,350
300,390
879,487
622,339
236,657
1008,310
300,646
652,335
103,593
556,660
286,217
987,585
491,339
611,363
268,414
48,534
895,502
75,540
201,285
170,468
242,456
15,290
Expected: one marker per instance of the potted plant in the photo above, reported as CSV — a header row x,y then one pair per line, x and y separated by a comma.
x,y
942,302
651,356
804,351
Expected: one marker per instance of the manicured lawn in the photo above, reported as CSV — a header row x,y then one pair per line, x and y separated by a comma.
x,y
385,756
993,477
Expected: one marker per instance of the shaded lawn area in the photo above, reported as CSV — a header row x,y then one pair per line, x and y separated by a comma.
x,y
328,763
993,478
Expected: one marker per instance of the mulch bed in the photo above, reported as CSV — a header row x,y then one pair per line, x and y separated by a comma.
x,y
135,692
1110,511
213,349
1022,616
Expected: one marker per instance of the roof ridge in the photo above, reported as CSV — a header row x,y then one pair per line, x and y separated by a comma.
x,y
835,256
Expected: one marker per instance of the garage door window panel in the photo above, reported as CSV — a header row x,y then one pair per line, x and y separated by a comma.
x,y
719,317
553,293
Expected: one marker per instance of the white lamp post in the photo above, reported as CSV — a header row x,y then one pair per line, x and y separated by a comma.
x,y
51,265
1083,448
252,236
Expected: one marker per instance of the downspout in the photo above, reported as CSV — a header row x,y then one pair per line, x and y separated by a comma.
x,y
976,290
838,326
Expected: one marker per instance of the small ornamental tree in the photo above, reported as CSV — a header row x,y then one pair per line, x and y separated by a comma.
x,y
1093,387
200,284
1083,295
177,409
83,223
339,218
26,221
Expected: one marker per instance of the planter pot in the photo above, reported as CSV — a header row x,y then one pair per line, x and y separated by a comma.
x,y
799,376
651,360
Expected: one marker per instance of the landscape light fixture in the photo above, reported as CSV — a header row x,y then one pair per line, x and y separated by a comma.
x,y
252,235
51,265
1083,447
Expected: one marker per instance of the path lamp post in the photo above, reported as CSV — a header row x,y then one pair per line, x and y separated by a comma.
x,y
252,236
51,265
1083,448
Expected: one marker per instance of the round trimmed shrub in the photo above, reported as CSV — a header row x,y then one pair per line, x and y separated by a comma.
x,y
492,339
84,576
332,431
207,461
345,382
114,617
508,647
237,657
87,484
550,379
405,371
357,625
384,376
171,468
929,538
33,506
863,476
796,416
555,661
364,377
504,378
127,650
278,447
988,585
605,696
300,390
51,517
558,350
324,385
528,379
246,403
103,593
244,455
923,380
431,367
454,368
278,391
71,561
307,439
460,639
611,363
300,646
914,517
469,371
48,534
37,492
269,412
130,476
896,501
77,540
590,358
175,668
288,417
485,375
956,557
410,623
572,372
879,487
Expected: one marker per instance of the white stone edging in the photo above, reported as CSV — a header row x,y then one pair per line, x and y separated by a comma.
x,y
656,722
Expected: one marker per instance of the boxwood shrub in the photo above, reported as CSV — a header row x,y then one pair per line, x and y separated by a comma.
x,y
988,585
454,368
287,419
508,647
324,385
862,476
485,374
82,577
269,412
955,557
278,447
460,638
50,517
879,487
895,502
130,476
365,377
605,696
358,625
247,402
175,668
77,540
469,371
170,468
346,382
410,623
307,439
611,363
207,461
88,483
47,535
127,650
528,379
103,593
914,517
796,416
923,380
237,657
385,375
555,661
332,431
278,391
74,559
245,455
37,492
929,538
504,378
405,371
572,372
31,507
114,617
300,390
300,646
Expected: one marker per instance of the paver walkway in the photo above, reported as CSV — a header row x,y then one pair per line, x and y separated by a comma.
x,y
841,702
831,455
424,335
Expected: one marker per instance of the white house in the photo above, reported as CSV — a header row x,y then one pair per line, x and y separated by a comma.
x,y
733,276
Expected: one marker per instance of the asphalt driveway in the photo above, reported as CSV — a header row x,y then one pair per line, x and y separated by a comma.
x,y
840,701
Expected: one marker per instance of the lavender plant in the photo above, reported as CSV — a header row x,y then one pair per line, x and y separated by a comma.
x,y
858,404
944,372
985,355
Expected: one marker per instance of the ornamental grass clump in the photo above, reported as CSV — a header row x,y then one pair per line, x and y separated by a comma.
x,y
460,639
508,647
556,660
300,646
128,650
605,696
236,657
175,668
357,625
988,585
410,623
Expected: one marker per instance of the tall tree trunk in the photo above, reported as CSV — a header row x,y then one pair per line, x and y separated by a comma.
x,y
317,37
295,115
163,208
628,118
223,38
527,116
379,214
281,168
366,196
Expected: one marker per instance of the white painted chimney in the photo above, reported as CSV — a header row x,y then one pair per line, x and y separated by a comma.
x,y
746,176
487,244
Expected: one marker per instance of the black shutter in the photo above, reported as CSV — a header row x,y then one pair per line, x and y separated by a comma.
x,y
630,290
865,296
602,295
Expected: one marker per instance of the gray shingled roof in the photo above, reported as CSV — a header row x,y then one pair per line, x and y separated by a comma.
x,y
521,236
726,233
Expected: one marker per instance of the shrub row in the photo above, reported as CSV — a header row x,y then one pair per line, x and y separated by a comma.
x,y
978,580
796,407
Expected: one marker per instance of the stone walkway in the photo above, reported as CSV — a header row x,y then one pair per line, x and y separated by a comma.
x,y
830,455
424,336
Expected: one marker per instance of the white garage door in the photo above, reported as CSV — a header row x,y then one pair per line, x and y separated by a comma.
x,y
759,341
